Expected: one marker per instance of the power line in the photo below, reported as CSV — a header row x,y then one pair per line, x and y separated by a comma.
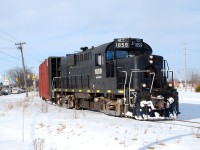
x,y
7,47
8,37
10,55
13,57
1,59
6,64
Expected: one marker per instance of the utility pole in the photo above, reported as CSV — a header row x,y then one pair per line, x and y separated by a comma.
x,y
20,48
185,53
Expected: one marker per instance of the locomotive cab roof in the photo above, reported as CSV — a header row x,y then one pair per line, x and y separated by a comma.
x,y
136,46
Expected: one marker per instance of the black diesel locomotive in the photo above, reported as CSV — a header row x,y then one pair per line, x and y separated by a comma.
x,y
120,78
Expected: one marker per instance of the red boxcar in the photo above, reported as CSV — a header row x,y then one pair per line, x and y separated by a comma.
x,y
47,71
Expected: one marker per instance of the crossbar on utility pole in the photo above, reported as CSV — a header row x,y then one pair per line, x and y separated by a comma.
x,y
21,50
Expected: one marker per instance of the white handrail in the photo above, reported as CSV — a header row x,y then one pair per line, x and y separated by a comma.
x,y
125,86
152,80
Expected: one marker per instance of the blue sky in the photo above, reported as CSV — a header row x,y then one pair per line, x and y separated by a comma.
x,y
55,28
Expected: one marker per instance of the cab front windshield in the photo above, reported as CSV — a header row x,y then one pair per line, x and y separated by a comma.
x,y
119,54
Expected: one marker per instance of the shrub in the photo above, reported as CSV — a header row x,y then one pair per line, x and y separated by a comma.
x,y
197,88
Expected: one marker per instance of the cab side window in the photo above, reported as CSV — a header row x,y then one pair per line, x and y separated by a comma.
x,y
98,59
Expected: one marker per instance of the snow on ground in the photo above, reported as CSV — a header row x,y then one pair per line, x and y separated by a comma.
x,y
45,126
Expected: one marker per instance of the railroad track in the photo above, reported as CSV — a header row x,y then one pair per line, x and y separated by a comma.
x,y
184,123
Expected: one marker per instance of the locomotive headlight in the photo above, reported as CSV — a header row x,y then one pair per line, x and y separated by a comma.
x,y
151,57
144,85
170,85
151,61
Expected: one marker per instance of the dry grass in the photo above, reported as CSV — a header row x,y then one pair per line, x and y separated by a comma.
x,y
2,114
39,144
61,128
19,104
145,131
26,105
41,125
44,108
161,144
10,107
197,135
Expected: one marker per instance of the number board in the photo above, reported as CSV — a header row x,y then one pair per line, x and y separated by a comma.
x,y
136,43
122,43
128,43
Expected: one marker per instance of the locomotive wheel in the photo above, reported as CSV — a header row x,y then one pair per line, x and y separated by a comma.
x,y
58,102
70,104
63,103
77,104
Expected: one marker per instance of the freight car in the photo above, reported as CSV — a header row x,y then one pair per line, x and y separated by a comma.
x,y
119,78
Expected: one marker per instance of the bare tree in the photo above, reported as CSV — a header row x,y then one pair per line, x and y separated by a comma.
x,y
16,76
193,77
